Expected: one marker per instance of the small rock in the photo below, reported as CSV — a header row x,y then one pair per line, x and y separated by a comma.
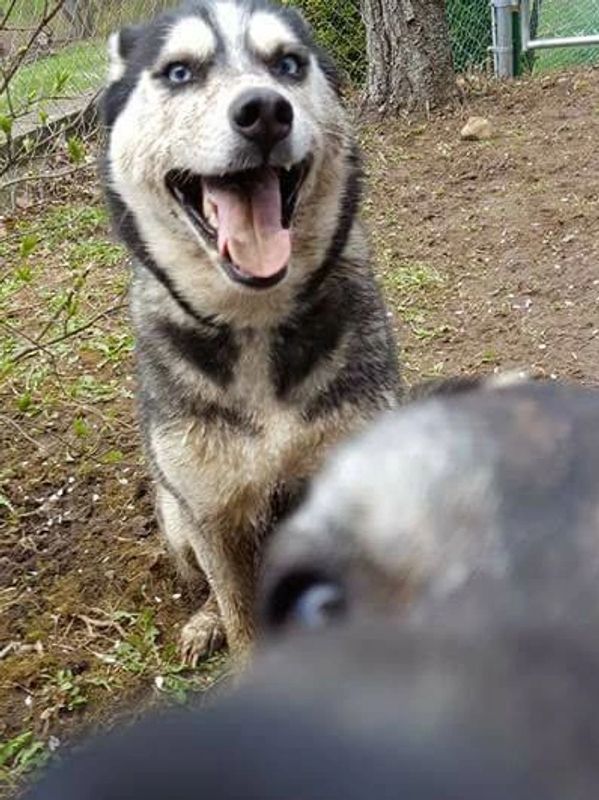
x,y
477,129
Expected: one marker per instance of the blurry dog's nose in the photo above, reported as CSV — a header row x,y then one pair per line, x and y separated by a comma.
x,y
263,116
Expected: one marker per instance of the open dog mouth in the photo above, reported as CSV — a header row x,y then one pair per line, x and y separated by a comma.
x,y
247,215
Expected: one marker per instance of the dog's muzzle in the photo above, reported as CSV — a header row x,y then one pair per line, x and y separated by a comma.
x,y
247,214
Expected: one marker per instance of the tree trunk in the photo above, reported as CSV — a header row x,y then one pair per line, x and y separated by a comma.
x,y
410,67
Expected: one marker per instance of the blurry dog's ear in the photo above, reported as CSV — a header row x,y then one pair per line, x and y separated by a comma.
x,y
120,47
459,384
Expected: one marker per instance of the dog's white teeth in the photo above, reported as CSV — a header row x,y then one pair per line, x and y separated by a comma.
x,y
210,212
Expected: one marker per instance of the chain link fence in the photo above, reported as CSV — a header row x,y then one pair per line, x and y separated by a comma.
x,y
59,46
68,58
566,18
339,27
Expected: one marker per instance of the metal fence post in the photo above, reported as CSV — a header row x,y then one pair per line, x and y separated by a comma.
x,y
503,49
525,24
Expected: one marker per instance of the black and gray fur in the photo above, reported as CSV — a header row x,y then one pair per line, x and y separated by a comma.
x,y
243,387
477,505
440,713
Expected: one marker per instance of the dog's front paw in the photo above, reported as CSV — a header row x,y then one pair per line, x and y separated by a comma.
x,y
202,636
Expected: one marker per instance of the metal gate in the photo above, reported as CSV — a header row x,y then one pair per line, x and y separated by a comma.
x,y
547,24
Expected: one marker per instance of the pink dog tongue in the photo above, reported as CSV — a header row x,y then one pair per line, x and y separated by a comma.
x,y
250,233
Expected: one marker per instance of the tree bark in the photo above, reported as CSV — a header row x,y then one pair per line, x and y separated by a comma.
x,y
410,66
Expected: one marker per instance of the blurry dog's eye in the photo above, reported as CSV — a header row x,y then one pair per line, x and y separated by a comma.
x,y
290,66
318,605
178,73
304,600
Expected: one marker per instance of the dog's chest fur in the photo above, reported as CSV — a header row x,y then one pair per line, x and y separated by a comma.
x,y
227,449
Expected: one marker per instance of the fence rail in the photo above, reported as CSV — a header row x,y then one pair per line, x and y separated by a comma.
x,y
550,26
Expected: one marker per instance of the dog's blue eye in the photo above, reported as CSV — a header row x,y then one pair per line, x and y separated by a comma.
x,y
318,605
289,66
178,73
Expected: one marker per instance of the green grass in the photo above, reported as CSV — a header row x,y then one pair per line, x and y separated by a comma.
x,y
137,651
74,238
76,69
567,18
111,15
26,13
20,755
408,277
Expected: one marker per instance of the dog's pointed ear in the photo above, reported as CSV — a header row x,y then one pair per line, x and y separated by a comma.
x,y
120,47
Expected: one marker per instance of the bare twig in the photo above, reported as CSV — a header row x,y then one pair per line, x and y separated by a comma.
x,y
16,332
47,17
86,408
22,432
91,623
48,176
7,14
65,304
89,324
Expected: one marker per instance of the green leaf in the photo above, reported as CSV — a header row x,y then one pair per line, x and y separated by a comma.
x,y
20,755
80,427
32,757
6,124
5,503
9,749
61,80
113,457
76,150
24,273
24,402
28,244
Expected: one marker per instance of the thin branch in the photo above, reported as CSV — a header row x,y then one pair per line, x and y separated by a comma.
x,y
16,332
46,176
89,324
87,408
47,17
22,432
7,14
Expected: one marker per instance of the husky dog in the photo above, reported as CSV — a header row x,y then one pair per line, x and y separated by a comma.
x,y
478,505
232,174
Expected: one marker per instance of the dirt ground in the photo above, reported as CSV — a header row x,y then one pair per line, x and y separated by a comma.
x,y
489,255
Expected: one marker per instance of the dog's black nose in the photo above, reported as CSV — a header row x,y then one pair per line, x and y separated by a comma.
x,y
263,116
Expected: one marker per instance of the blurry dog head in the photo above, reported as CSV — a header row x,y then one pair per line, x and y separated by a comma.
x,y
484,500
